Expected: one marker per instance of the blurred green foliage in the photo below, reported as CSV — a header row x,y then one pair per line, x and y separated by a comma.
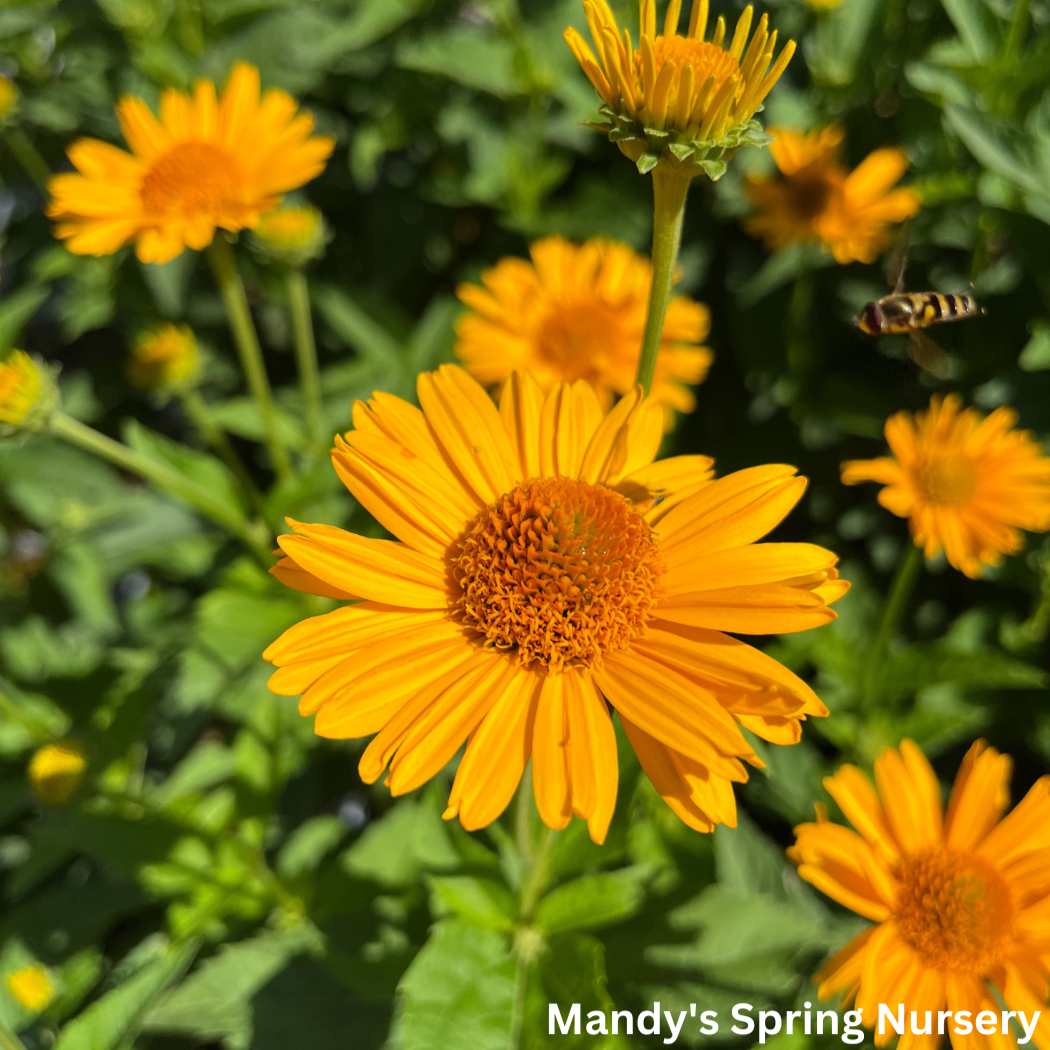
x,y
223,878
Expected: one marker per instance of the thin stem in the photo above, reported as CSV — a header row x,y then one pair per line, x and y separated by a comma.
x,y
165,477
194,407
228,278
306,357
670,189
908,568
8,1039
29,157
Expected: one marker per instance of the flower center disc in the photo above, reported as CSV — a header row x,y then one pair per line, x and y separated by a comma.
x,y
810,193
561,570
954,909
192,178
948,481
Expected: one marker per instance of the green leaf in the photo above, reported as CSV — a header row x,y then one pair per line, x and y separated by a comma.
x,y
593,901
483,902
458,992
1035,357
215,1001
354,325
468,56
747,862
309,844
782,267
999,146
16,308
977,26
115,1018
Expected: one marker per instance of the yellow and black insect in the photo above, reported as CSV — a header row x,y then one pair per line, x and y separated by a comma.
x,y
908,313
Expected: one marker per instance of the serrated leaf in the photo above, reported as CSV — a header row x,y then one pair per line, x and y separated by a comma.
x,y
483,902
593,901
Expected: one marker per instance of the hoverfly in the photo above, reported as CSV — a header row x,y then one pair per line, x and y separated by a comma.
x,y
908,313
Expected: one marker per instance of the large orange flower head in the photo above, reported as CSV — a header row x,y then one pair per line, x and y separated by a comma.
x,y
967,484
960,898
545,568
685,100
208,163
578,312
817,200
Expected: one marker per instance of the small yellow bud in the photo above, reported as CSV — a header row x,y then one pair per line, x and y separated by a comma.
x,y
8,97
293,235
31,988
55,772
164,358
27,392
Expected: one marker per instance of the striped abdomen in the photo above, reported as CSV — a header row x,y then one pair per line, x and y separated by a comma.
x,y
910,310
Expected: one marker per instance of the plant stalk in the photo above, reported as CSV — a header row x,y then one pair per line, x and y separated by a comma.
x,y
228,278
306,358
28,156
907,573
8,1039
194,407
670,190
164,477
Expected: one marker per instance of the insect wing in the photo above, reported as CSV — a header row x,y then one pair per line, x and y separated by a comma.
x,y
927,354
897,263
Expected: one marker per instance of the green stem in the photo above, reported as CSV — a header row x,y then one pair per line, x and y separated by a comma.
x,y
306,357
8,1039
908,568
228,278
29,157
670,189
194,407
164,477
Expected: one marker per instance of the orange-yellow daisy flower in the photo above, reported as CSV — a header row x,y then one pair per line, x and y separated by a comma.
x,y
682,98
544,568
961,898
208,163
967,484
817,200
578,312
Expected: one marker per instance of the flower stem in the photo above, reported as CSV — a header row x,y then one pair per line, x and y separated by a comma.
x,y
908,568
194,407
670,189
8,1039
28,156
228,278
221,513
306,357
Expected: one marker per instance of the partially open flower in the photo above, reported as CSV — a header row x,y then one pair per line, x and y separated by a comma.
x,y
164,358
290,236
683,100
31,988
28,393
55,772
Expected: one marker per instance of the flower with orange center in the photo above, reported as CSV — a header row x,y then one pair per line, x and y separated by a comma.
x,y
578,312
208,163
967,484
681,99
961,898
816,200
545,568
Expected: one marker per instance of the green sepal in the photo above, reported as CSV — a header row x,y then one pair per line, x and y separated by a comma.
x,y
647,161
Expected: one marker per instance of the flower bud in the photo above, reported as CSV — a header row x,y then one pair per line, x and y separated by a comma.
x,y
31,988
164,358
290,236
28,393
55,772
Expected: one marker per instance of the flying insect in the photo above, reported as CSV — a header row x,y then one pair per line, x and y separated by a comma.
x,y
909,313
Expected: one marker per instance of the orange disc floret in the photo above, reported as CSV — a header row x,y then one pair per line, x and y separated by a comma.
x,y
559,569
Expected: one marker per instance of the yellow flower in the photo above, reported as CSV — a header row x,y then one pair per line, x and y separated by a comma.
x,y
27,392
8,97
545,567
578,312
55,772
961,899
683,99
818,200
966,483
31,988
164,358
207,163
